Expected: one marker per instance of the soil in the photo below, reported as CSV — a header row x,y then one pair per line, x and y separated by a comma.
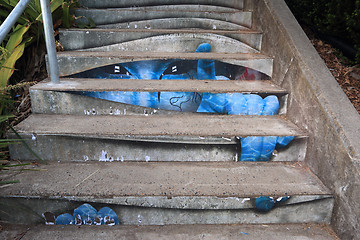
x,y
346,75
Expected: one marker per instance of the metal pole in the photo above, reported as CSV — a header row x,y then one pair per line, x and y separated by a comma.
x,y
12,18
50,41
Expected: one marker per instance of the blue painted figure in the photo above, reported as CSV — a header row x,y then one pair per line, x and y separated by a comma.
x,y
252,148
87,215
108,216
65,219
265,204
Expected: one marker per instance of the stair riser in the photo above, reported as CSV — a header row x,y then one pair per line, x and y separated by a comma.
x,y
180,23
100,16
66,148
28,211
72,64
54,102
185,42
238,4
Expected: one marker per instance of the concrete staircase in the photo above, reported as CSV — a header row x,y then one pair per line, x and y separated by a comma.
x,y
158,166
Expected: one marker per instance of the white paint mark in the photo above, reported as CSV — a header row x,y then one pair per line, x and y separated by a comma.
x,y
33,137
139,219
117,112
86,158
135,26
227,139
122,159
201,138
104,157
174,69
147,158
117,69
275,153
214,27
245,199
87,32
125,111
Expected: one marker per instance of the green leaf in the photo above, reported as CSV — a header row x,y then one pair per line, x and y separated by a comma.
x,y
7,70
55,4
25,144
9,182
16,37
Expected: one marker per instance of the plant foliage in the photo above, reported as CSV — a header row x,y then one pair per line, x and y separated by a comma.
x,y
339,18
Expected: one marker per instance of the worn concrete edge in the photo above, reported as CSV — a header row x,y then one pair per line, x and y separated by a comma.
x,y
165,55
186,231
111,4
344,119
333,103
157,30
177,202
145,85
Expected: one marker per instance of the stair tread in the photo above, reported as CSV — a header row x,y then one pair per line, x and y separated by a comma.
x,y
164,55
231,231
99,180
192,125
144,85
72,62
164,31
111,3
186,8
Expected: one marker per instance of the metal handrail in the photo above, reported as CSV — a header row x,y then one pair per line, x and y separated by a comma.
x,y
9,22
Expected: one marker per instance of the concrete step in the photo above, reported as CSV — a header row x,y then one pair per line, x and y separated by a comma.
x,y
180,23
122,15
238,4
169,193
72,62
156,40
194,137
190,232
64,98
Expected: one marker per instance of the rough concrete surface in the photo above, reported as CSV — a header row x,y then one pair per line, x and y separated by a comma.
x,y
243,41
89,60
186,232
159,126
118,15
143,85
317,104
167,179
237,4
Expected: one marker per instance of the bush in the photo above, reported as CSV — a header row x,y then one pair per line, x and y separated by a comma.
x,y
338,18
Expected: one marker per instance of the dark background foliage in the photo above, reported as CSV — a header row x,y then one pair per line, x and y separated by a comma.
x,y
336,21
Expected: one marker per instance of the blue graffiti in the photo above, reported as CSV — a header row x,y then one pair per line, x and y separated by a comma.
x,y
252,148
265,204
87,215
